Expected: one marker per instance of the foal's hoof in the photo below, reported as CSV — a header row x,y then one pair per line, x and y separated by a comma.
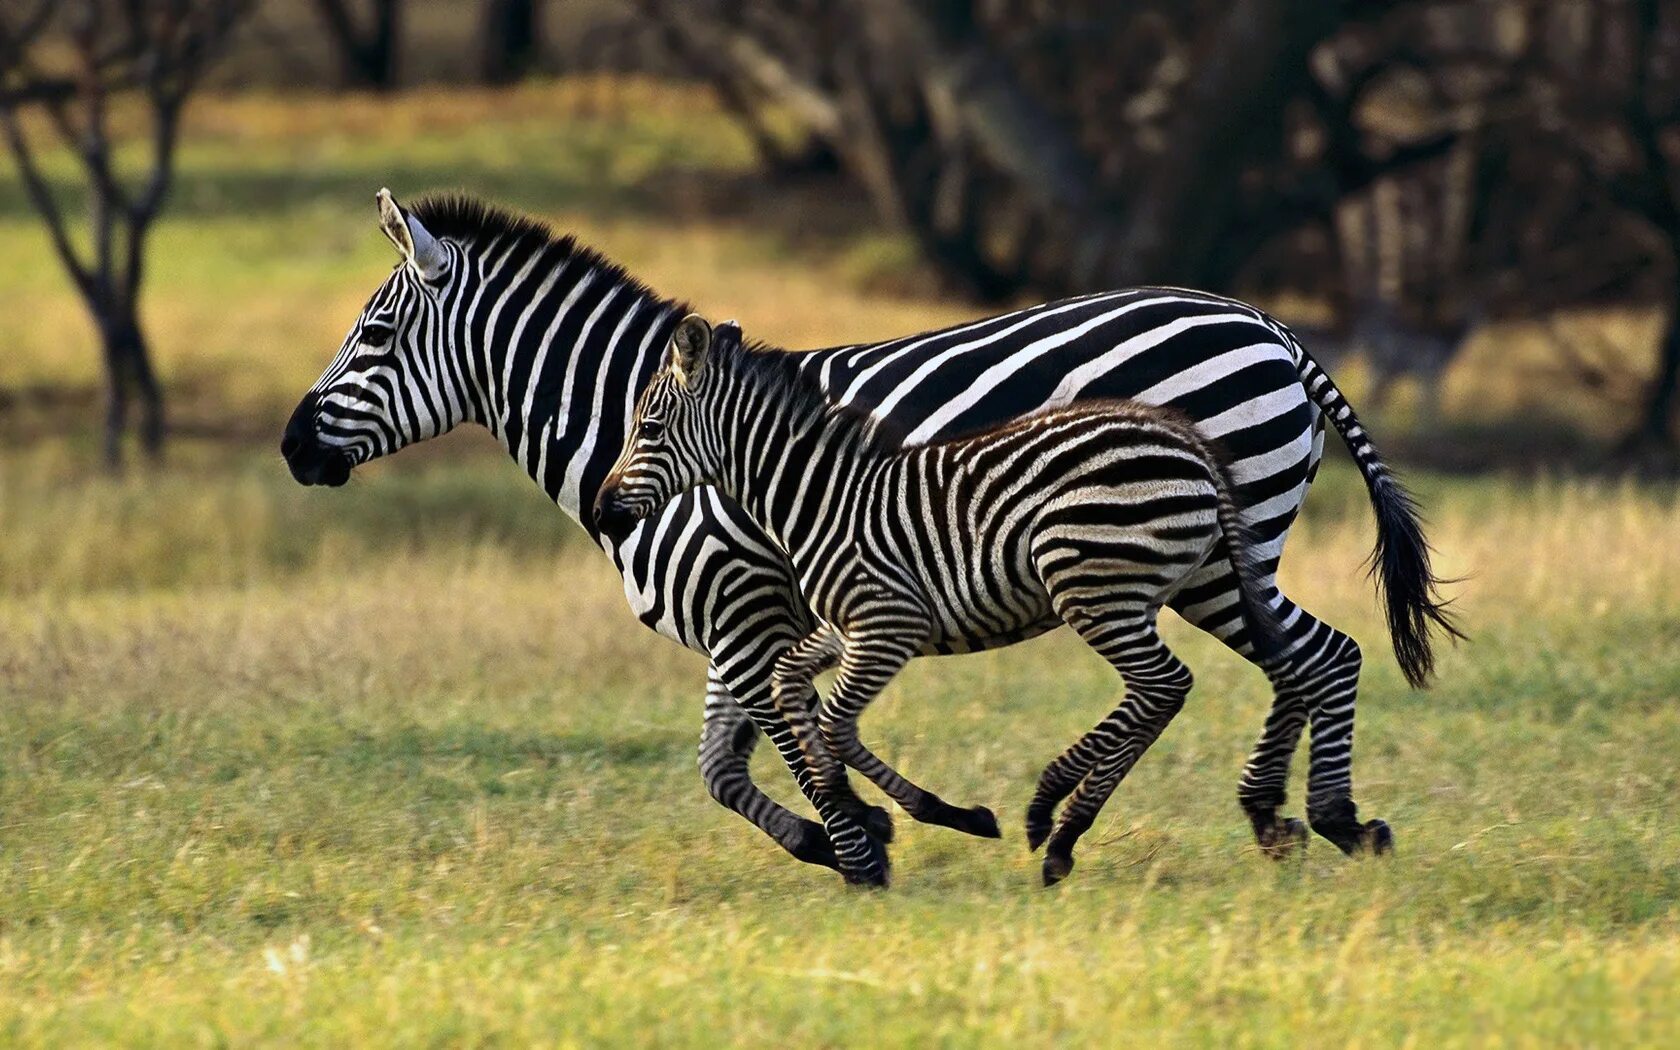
x,y
1283,838
983,823
813,846
1040,819
1376,838
977,820
878,822
873,870
1057,864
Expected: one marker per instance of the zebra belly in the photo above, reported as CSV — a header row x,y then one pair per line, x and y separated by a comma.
x,y
984,598
958,646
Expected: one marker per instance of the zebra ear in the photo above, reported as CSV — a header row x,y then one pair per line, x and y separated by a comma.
x,y
417,245
689,345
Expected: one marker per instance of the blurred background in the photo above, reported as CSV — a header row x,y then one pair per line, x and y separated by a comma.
x,y
398,759
1467,208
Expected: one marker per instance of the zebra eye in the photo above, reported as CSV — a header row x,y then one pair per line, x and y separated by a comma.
x,y
650,429
376,335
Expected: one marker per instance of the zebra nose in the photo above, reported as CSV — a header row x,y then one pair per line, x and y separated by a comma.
x,y
613,519
300,429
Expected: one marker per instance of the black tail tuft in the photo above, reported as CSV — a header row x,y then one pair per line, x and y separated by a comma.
x,y
1409,586
1400,560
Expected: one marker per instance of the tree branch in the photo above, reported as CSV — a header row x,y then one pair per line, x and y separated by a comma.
x,y
40,195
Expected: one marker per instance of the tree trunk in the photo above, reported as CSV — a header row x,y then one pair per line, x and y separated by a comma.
x,y
379,55
130,378
1230,119
1655,433
366,59
510,43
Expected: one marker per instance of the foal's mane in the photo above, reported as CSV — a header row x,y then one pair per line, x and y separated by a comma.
x,y
779,375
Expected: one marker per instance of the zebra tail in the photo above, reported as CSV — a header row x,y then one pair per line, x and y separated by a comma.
x,y
1400,560
1265,630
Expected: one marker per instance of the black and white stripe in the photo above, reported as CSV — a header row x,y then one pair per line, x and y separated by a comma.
x,y
1091,516
489,318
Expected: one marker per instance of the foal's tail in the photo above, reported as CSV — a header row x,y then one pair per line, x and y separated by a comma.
x,y
1266,635
1265,631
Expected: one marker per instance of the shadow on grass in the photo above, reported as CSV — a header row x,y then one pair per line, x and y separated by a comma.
x,y
224,749
486,749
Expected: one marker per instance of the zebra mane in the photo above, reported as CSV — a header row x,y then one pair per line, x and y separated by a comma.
x,y
470,220
777,373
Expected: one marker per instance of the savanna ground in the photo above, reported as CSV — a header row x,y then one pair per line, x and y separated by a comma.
x,y
394,765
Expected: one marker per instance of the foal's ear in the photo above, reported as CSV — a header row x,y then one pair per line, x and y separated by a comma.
x,y
417,245
690,344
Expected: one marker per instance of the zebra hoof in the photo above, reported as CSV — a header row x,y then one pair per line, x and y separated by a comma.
x,y
983,823
879,823
1038,828
874,872
813,846
1283,838
1376,838
1058,863
1338,822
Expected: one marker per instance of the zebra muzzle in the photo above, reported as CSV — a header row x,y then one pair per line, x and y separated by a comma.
x,y
614,518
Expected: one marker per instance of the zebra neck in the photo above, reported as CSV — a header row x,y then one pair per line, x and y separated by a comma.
x,y
797,468
564,351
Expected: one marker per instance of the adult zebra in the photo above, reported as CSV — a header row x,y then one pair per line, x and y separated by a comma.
x,y
490,318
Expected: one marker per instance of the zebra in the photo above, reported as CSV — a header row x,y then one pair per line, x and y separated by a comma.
x,y
491,318
1088,516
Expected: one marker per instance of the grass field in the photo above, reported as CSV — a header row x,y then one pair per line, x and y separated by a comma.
x,y
393,765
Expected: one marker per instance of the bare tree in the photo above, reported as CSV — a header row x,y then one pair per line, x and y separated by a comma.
x,y
367,53
67,61
1029,155
1085,144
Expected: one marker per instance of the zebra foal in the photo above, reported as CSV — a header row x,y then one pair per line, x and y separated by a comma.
x,y
1092,516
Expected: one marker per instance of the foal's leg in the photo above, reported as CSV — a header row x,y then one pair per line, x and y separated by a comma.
x,y
861,858
1157,683
867,663
1108,586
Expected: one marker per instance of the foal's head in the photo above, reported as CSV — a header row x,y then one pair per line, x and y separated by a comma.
x,y
676,440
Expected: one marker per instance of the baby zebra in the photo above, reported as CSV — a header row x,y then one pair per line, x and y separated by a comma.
x,y
1088,516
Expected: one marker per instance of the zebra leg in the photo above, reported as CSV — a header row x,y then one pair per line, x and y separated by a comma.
x,y
1157,684
1210,601
864,862
727,739
867,663
1064,773
796,701
795,696
1315,680
741,668
1323,677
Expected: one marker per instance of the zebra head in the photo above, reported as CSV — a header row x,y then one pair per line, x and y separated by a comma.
x,y
673,443
389,385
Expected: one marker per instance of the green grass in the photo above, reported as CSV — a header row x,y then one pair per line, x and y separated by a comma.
x,y
394,765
